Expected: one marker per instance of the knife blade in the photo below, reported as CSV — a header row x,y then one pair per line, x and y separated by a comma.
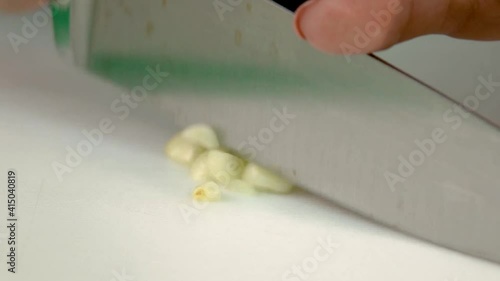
x,y
351,129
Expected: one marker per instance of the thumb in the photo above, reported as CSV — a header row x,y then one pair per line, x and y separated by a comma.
x,y
21,5
365,26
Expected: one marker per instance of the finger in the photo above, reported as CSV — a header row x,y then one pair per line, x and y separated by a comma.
x,y
365,26
21,5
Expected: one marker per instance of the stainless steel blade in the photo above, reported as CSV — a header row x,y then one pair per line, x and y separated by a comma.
x,y
351,129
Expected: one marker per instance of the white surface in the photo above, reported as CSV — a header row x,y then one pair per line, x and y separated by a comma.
x,y
119,208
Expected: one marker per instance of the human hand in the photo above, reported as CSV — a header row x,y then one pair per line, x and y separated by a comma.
x,y
335,26
20,5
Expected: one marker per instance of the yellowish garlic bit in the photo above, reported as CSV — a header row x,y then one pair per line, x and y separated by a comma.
x,y
265,180
202,135
199,168
182,151
224,167
209,191
240,186
198,147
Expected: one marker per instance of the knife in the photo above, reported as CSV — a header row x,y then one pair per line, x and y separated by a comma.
x,y
353,130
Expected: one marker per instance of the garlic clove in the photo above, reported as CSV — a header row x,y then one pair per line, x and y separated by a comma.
x,y
209,191
182,151
265,180
199,168
240,186
223,166
202,135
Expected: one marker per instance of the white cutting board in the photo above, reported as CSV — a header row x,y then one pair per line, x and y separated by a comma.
x,y
118,211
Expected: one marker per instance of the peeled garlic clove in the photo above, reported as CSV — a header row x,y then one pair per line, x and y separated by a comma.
x,y
240,186
265,180
182,151
199,168
209,191
223,166
202,135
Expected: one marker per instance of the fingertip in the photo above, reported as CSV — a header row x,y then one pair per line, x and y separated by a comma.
x,y
343,26
298,18
21,5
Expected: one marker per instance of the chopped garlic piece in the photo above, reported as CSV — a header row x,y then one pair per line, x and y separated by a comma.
x,y
265,180
202,135
182,151
199,168
223,166
241,187
209,191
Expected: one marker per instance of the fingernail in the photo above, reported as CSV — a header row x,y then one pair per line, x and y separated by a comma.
x,y
298,17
